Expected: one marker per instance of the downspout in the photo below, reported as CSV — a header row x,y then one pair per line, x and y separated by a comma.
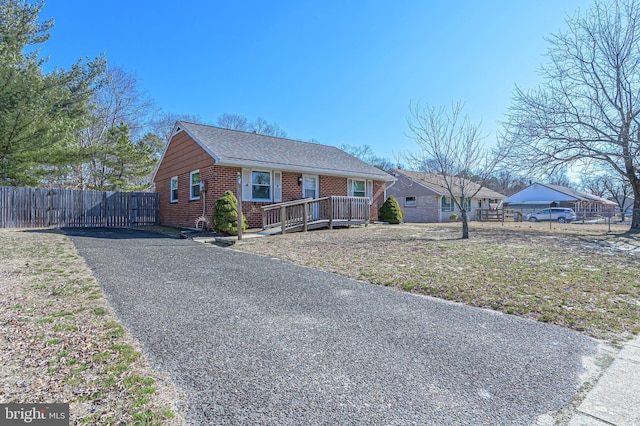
x,y
393,182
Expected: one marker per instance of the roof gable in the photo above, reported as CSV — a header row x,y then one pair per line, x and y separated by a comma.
x,y
437,184
546,193
539,193
236,148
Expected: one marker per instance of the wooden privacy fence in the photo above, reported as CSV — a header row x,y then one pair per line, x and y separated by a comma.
x,y
309,213
45,207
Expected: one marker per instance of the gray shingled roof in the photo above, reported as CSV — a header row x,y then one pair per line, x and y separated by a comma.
x,y
582,196
438,184
233,147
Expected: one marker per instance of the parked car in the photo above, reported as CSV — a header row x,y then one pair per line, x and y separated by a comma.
x,y
560,214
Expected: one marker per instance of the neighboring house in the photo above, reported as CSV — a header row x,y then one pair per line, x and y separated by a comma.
x,y
541,195
201,162
424,197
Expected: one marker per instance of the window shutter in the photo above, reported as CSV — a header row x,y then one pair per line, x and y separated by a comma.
x,y
370,191
277,187
349,187
246,184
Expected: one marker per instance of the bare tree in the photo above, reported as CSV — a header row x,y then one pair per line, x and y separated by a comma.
x,y
617,188
594,185
366,154
163,124
611,186
120,100
262,127
506,181
452,147
559,176
233,122
587,109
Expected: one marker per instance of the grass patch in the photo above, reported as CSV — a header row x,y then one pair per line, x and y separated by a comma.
x,y
64,327
565,276
88,354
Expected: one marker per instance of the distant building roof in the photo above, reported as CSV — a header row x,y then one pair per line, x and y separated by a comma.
x,y
548,193
437,184
581,196
233,147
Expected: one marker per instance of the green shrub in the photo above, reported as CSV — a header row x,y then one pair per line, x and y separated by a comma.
x,y
225,215
390,211
454,217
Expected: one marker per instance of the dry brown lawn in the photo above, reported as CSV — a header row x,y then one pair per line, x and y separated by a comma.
x,y
573,275
61,342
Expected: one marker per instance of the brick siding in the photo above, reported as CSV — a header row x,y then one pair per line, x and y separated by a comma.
x,y
184,156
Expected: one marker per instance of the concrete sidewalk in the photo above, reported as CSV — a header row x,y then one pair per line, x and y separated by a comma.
x,y
615,399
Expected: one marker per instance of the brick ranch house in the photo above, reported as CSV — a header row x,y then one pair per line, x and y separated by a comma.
x,y
201,162
424,197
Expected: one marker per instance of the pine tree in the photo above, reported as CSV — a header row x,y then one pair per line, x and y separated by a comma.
x,y
40,113
123,164
390,211
225,214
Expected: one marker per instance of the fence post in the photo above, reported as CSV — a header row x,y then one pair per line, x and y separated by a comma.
x,y
49,207
367,213
283,219
133,209
330,204
103,209
305,213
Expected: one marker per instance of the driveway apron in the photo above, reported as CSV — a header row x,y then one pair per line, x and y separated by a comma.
x,y
255,340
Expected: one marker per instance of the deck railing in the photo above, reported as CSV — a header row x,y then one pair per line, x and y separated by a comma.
x,y
498,215
309,213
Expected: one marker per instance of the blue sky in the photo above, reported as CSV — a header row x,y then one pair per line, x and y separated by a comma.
x,y
340,72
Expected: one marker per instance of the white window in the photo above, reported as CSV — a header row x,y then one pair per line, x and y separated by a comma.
x,y
410,201
194,184
359,188
174,189
260,185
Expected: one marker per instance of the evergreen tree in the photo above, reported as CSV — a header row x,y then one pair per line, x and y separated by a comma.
x,y
40,113
225,214
123,164
390,211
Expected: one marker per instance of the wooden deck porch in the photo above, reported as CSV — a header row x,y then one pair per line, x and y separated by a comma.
x,y
309,213
498,215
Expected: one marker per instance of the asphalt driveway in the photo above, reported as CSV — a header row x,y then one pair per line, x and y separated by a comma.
x,y
254,340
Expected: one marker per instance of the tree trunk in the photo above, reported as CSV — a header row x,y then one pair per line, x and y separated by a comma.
x,y
635,215
465,225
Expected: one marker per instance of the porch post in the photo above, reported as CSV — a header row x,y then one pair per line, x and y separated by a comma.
x,y
305,212
239,192
283,218
330,207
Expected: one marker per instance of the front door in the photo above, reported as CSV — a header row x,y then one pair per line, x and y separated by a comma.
x,y
310,190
